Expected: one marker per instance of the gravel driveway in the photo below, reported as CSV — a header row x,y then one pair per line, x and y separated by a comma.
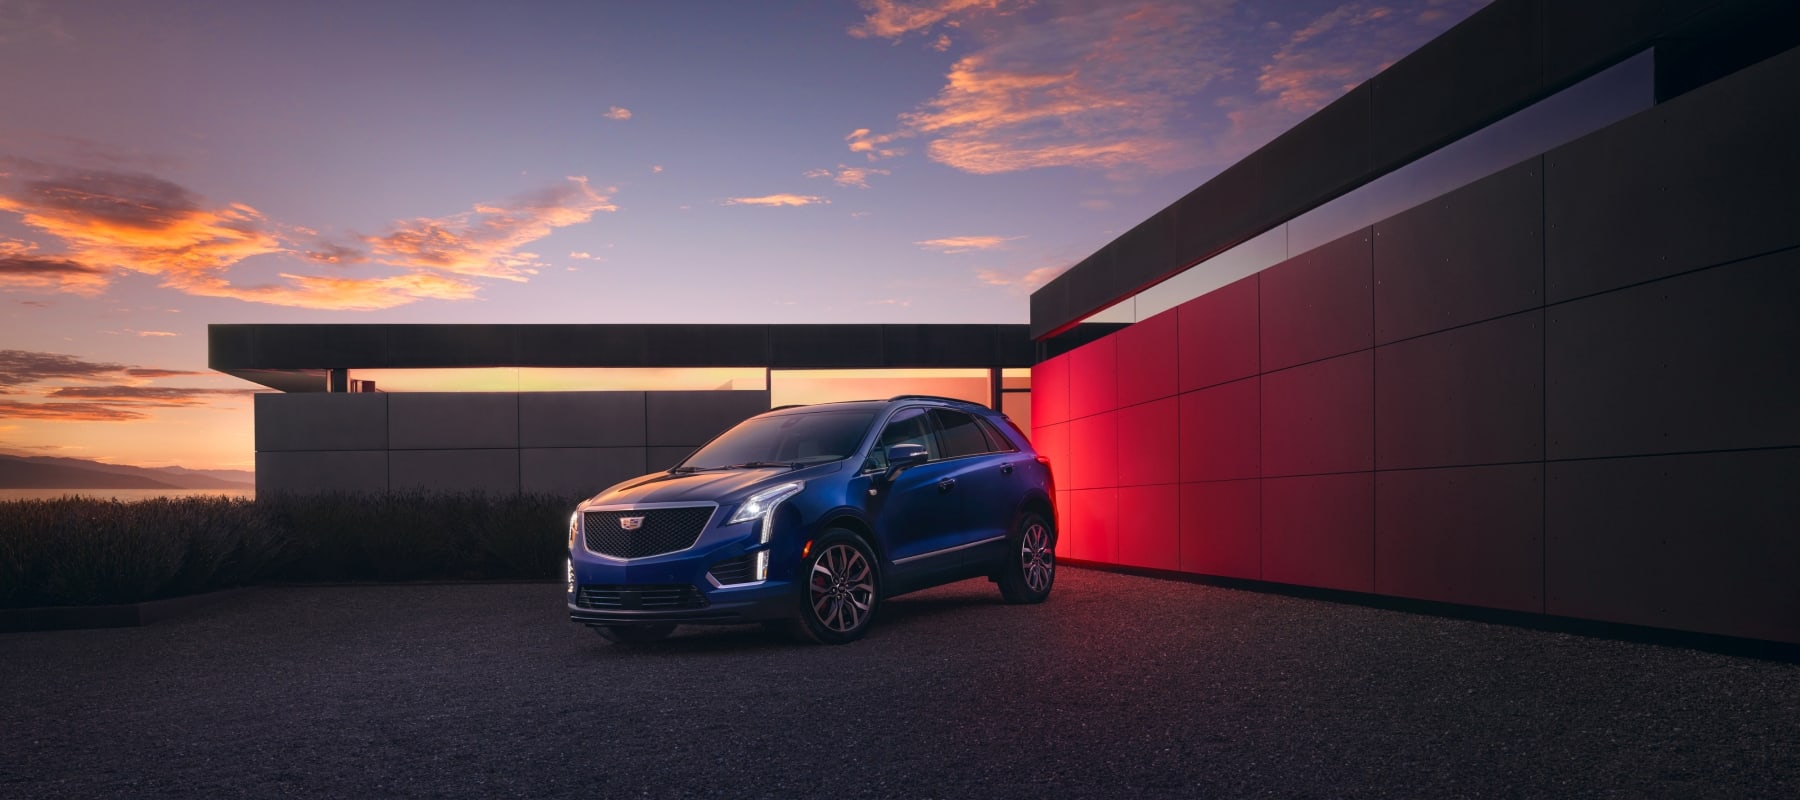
x,y
1120,686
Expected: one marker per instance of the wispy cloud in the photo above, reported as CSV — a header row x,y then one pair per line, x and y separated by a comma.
x,y
874,146
1022,283
777,200
80,390
21,367
583,255
109,221
157,333
890,19
857,177
964,244
69,412
618,112
148,396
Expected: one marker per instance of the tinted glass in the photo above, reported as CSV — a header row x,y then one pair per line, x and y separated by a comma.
x,y
960,434
907,427
805,438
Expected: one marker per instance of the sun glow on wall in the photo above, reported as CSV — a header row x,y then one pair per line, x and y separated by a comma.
x,y
793,387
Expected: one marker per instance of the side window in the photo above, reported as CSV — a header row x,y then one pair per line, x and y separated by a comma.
x,y
961,434
907,427
997,441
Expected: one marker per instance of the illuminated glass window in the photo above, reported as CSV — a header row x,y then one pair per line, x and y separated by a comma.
x,y
808,386
546,379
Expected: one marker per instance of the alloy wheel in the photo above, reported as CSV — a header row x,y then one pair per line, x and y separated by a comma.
x,y
842,588
1036,559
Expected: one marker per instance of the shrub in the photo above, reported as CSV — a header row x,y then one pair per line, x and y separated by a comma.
x,y
75,550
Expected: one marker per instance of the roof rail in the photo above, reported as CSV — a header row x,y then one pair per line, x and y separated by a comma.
x,y
790,405
931,397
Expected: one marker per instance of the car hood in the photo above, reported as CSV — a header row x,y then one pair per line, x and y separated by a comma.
x,y
722,486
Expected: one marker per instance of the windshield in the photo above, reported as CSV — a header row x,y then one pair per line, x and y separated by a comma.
x,y
785,440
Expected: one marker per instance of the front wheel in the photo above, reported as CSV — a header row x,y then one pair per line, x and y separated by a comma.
x,y
842,590
1030,568
635,634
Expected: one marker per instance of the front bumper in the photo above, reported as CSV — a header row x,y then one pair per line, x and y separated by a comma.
x,y
610,591
769,600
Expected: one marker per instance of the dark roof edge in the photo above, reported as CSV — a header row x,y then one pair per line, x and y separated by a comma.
x,y
1454,85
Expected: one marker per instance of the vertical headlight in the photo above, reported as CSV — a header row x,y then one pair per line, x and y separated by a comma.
x,y
570,563
762,506
574,522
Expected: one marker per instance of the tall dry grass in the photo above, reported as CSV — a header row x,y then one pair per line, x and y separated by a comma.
x,y
80,551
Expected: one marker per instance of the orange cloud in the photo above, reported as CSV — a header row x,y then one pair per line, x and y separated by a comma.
x,y
857,177
346,294
888,19
964,244
874,146
1023,284
21,268
1088,87
618,112
486,242
68,412
777,200
152,396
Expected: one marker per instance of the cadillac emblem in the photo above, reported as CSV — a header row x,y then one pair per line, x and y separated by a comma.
x,y
631,523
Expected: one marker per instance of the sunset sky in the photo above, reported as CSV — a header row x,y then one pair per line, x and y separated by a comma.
x,y
172,164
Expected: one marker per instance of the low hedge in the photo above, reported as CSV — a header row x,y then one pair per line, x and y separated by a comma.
x,y
83,551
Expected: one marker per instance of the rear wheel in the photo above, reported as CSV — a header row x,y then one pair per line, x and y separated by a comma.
x,y
1030,568
842,590
635,634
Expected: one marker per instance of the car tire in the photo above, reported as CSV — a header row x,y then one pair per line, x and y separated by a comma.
x,y
635,634
1030,568
840,590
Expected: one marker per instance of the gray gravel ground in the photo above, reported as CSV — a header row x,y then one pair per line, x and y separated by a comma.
x,y
1120,686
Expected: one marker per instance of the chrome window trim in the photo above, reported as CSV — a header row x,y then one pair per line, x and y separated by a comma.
x,y
581,530
909,559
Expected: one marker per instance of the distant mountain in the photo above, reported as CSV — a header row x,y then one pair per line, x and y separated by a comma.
x,y
45,472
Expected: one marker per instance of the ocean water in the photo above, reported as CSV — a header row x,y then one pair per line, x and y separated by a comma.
x,y
122,495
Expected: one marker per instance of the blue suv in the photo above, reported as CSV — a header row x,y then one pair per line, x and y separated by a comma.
x,y
807,517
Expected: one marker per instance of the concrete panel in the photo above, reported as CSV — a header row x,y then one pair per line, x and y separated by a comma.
x,y
1472,535
1319,417
1149,527
1147,360
318,421
578,472
452,420
1094,377
1052,442
1445,89
491,471
581,419
708,346
1700,362
1473,254
1148,447
1094,523
1317,304
1218,335
570,345
446,345
1221,432
941,346
1467,396
693,418
1094,452
1221,528
1693,542
1703,179
1320,531
321,471
320,346
1050,391
660,459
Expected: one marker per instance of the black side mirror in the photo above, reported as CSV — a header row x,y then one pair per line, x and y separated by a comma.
x,y
901,456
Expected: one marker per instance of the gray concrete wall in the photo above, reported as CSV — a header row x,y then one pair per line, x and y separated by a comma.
x,y
568,443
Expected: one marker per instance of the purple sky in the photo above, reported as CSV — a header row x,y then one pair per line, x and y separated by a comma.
x,y
168,165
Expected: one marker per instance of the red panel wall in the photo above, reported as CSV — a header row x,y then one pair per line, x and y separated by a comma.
x,y
1148,449
1146,359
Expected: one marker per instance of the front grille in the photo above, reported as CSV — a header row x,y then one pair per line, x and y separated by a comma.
x,y
734,570
664,530
644,597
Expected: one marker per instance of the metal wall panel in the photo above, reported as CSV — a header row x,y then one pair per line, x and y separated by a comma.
x,y
452,420
491,471
578,472
1221,432
1149,526
693,418
321,422
1052,442
1218,335
1317,304
581,419
1473,395
1693,542
1470,535
1221,528
1320,417
1094,523
1703,179
1473,254
1704,361
1094,452
1094,377
824,346
1146,354
321,471
1320,531
1148,446
1050,391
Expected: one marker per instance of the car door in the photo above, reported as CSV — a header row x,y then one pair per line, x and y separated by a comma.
x,y
916,515
982,476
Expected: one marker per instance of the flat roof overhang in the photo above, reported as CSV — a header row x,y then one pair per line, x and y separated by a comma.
x,y
298,358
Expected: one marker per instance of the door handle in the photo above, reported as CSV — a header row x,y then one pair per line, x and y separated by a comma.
x,y
946,484
1005,469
